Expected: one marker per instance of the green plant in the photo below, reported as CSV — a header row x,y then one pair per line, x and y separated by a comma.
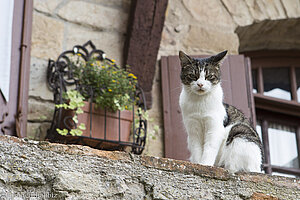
x,y
105,83
113,87
145,115
75,102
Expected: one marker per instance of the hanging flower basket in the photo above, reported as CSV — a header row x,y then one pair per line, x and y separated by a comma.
x,y
95,101
111,127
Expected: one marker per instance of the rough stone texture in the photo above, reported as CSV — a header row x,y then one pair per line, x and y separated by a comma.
x,y
292,8
56,171
112,43
266,9
203,10
222,40
95,15
239,11
46,6
37,130
38,84
39,111
279,34
47,37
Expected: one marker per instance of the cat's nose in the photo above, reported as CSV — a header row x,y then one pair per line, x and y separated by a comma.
x,y
200,85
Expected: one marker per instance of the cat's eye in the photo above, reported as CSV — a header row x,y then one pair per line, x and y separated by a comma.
x,y
210,77
193,77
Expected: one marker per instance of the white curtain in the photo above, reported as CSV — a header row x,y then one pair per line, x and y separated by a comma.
x,y
6,20
283,145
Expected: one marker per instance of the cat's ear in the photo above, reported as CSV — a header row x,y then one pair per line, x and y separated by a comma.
x,y
185,59
219,57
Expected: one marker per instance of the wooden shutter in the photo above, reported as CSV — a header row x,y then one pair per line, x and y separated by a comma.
x,y
237,88
13,112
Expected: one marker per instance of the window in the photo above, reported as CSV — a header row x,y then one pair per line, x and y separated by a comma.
x,y
276,88
6,20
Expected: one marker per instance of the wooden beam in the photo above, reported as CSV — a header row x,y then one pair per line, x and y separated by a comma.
x,y
145,26
21,117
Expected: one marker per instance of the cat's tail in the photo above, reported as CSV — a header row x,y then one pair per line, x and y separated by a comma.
x,y
242,150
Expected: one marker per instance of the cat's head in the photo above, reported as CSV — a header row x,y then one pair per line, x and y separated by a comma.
x,y
200,75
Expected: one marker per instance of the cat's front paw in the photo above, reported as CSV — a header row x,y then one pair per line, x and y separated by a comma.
x,y
207,162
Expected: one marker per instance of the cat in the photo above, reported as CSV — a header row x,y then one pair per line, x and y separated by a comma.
x,y
218,134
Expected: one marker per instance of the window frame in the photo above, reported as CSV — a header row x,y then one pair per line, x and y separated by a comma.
x,y
266,117
13,114
272,109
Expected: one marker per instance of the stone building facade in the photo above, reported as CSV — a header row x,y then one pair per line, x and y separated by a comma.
x,y
194,26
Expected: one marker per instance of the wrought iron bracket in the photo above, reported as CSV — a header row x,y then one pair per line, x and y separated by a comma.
x,y
60,78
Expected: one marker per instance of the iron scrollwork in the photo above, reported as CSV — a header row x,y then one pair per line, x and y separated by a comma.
x,y
60,78
3,127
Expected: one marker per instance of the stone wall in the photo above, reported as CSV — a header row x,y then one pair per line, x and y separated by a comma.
x,y
58,25
55,171
209,26
194,26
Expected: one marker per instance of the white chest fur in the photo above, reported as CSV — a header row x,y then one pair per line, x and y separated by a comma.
x,y
202,106
203,117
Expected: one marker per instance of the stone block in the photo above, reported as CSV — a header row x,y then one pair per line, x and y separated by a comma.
x,y
94,15
211,13
239,11
40,111
38,82
292,8
47,36
33,130
261,9
261,196
46,6
177,14
112,43
211,40
37,131
124,4
270,34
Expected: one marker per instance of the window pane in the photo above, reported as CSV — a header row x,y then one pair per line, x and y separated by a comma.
x,y
298,82
258,129
277,82
254,80
283,146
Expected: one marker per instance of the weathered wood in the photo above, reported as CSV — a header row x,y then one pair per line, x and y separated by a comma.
x,y
21,117
173,126
14,112
265,139
239,84
144,34
251,104
293,83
